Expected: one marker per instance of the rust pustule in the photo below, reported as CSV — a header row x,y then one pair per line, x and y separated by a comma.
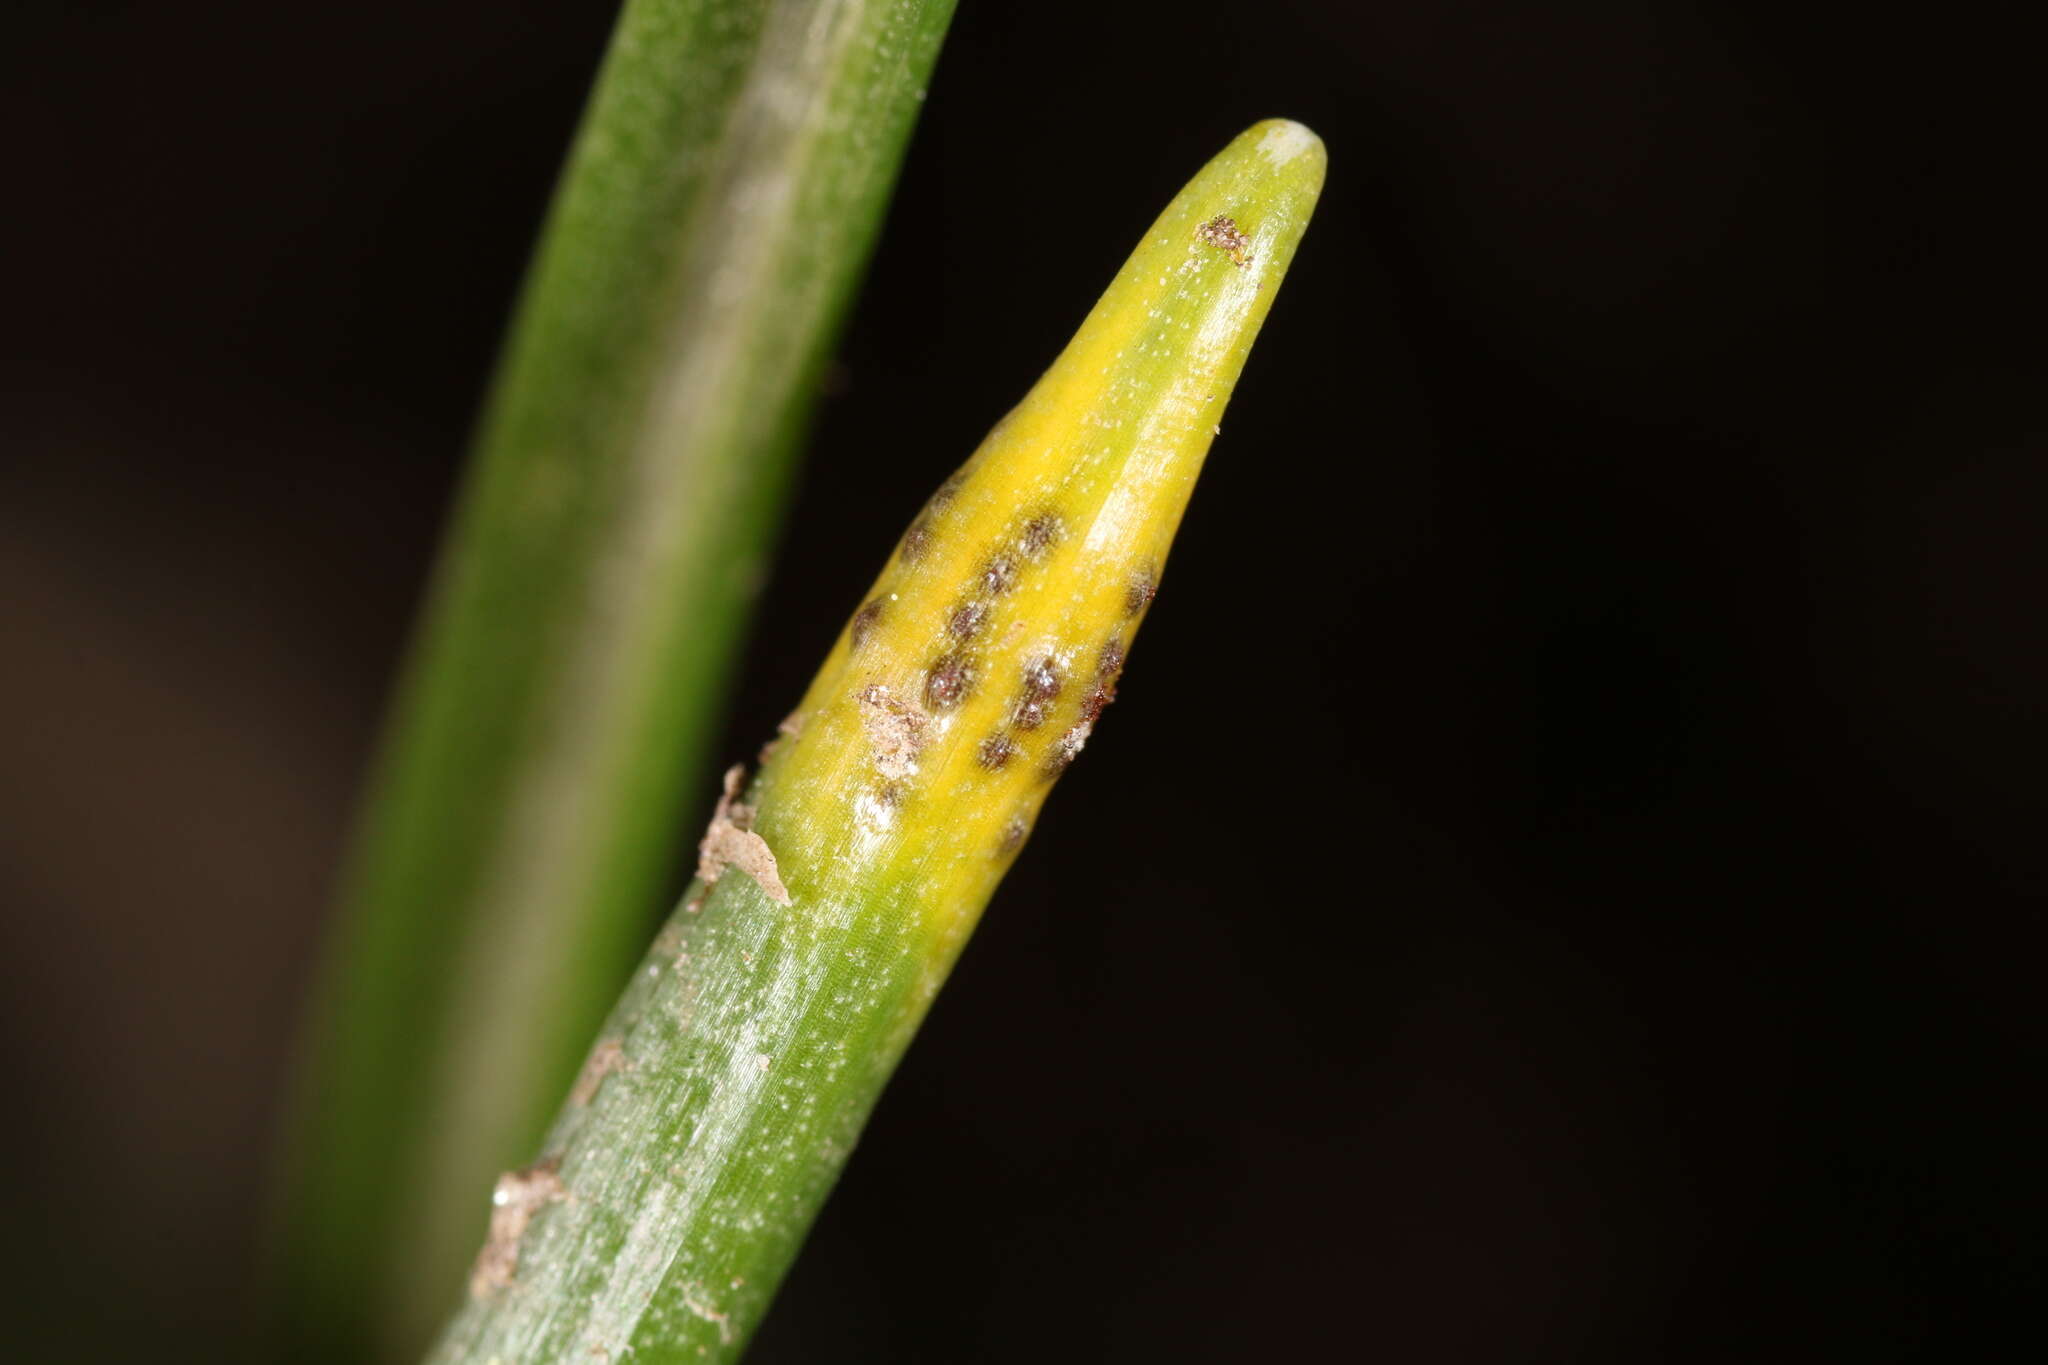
x,y
995,752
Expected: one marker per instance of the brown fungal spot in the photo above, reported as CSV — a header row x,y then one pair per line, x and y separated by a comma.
x,y
1040,534
731,842
895,730
948,490
1091,709
1013,835
606,1058
1223,233
995,752
1041,686
1110,662
948,681
517,1197
917,540
999,575
863,624
1144,587
967,620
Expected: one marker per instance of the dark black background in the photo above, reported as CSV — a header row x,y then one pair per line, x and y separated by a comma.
x,y
1565,882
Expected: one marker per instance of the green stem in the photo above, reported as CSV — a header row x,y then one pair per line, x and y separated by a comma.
x,y
735,1075
721,197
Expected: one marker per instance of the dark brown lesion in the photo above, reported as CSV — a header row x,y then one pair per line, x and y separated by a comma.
x,y
1040,534
948,681
999,574
1144,586
916,540
996,752
1067,749
1109,663
967,619
1042,683
863,623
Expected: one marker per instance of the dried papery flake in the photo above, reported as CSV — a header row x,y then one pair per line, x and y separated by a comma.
x,y
731,842
605,1059
895,729
789,727
516,1198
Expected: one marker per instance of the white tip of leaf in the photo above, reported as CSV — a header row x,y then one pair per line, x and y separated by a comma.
x,y
1284,140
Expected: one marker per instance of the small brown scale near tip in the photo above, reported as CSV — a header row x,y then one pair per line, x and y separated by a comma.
x,y
1223,232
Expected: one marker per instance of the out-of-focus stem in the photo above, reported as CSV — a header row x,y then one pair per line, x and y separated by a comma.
x,y
719,202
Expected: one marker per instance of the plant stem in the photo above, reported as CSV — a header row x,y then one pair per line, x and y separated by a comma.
x,y
722,194
735,1075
